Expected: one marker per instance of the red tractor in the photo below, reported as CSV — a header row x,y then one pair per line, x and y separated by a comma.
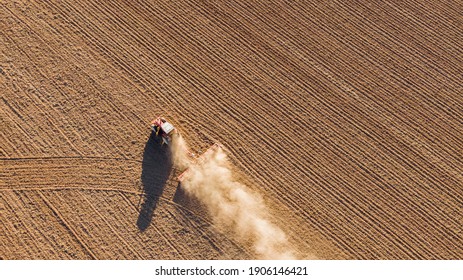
x,y
166,130
163,128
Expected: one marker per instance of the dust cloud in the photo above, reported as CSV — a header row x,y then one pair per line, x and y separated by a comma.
x,y
179,152
233,206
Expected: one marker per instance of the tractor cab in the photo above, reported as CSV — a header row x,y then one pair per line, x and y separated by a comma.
x,y
167,128
163,128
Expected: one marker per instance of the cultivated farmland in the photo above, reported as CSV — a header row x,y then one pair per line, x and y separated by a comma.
x,y
343,118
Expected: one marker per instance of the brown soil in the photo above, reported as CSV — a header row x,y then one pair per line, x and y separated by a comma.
x,y
346,116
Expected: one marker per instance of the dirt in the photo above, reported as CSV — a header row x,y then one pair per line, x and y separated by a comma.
x,y
343,119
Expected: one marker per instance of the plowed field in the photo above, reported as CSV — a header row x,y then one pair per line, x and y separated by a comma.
x,y
345,116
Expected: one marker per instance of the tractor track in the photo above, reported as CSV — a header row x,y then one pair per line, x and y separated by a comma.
x,y
90,195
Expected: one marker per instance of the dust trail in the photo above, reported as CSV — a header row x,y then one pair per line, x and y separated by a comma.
x,y
233,207
179,152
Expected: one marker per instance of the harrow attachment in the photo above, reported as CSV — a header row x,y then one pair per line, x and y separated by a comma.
x,y
198,161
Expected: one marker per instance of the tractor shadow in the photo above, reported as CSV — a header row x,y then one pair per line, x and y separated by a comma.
x,y
156,168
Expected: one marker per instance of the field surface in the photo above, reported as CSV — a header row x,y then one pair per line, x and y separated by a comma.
x,y
345,116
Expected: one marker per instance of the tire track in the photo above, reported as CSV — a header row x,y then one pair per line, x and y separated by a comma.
x,y
111,227
162,233
149,244
19,237
68,226
46,238
35,173
88,226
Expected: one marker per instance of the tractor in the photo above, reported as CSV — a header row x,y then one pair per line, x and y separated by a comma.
x,y
164,129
